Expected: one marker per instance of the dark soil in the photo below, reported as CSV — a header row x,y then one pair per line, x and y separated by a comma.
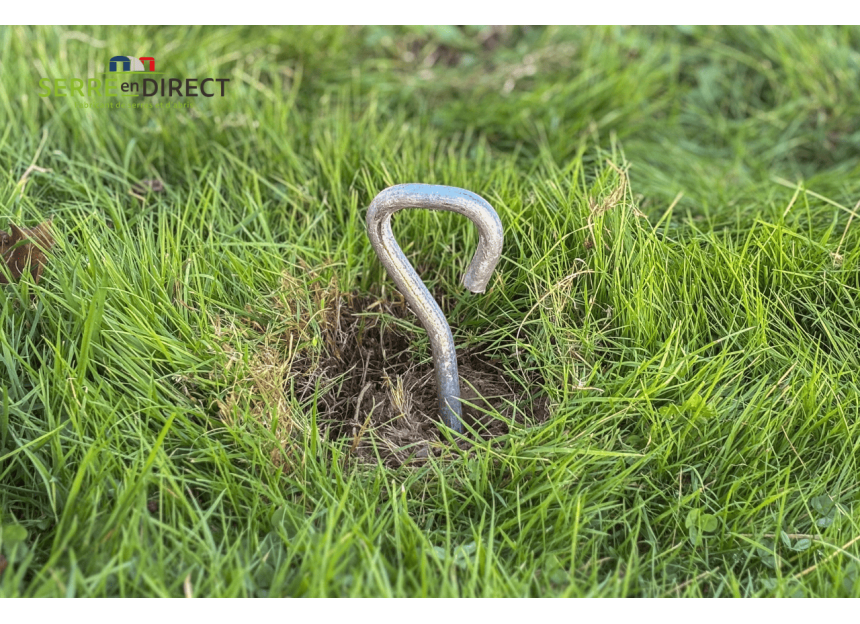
x,y
383,398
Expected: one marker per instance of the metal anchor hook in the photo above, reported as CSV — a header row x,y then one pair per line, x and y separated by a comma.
x,y
432,197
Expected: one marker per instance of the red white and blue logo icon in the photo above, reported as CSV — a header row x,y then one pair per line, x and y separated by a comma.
x,y
132,64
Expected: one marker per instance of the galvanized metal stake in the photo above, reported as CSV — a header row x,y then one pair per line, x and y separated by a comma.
x,y
432,197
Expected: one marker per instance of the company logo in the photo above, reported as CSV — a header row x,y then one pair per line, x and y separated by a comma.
x,y
129,64
138,84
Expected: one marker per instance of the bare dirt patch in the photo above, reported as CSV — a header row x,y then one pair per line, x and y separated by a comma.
x,y
382,395
366,363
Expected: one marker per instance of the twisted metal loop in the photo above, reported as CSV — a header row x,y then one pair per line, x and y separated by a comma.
x,y
476,278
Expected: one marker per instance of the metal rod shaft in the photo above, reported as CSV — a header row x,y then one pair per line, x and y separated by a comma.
x,y
432,197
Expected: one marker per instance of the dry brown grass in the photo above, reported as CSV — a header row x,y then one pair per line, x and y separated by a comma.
x,y
356,357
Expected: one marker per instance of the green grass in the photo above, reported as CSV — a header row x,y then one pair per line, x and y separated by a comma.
x,y
681,267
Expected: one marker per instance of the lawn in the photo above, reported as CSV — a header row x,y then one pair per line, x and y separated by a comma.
x,y
676,315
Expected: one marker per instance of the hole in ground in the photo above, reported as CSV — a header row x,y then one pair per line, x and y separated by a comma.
x,y
382,396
